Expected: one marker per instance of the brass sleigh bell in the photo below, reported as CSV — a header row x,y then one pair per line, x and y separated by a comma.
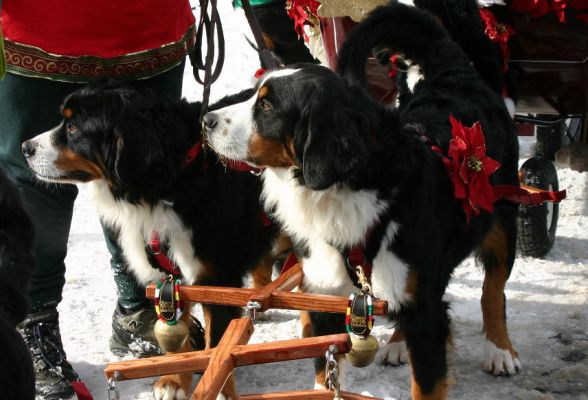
x,y
359,323
171,332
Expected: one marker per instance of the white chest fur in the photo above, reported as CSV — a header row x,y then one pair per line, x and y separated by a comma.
x,y
136,222
339,216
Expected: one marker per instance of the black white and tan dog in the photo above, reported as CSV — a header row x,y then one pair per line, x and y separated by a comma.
x,y
17,380
342,171
142,157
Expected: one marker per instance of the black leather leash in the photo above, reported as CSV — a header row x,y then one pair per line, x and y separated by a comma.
x,y
209,24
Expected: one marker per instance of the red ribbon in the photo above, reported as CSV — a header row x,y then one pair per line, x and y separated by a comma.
x,y
497,33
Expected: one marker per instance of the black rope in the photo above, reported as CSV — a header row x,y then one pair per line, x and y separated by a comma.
x,y
212,27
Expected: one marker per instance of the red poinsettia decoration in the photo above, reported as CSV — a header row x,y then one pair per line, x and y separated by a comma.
x,y
302,12
538,8
498,33
469,168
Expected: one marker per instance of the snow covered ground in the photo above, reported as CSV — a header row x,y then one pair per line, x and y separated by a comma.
x,y
547,301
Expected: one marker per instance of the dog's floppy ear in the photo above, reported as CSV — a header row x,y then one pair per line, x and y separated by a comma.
x,y
333,147
137,149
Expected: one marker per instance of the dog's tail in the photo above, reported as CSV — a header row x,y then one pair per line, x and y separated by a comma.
x,y
399,29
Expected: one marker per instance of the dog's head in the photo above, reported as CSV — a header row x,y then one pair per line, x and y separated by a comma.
x,y
305,118
105,133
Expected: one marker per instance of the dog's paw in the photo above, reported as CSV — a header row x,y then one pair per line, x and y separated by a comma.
x,y
169,388
500,361
394,354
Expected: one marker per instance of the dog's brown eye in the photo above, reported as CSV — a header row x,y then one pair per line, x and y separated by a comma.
x,y
71,128
265,105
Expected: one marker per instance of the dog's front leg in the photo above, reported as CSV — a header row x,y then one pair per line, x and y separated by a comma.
x,y
426,328
177,386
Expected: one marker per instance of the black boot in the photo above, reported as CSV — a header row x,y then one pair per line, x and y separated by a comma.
x,y
53,373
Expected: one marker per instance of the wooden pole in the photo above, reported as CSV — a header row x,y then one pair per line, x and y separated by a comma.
x,y
278,299
251,354
221,363
305,395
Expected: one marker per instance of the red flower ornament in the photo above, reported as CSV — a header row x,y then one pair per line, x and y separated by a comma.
x,y
469,168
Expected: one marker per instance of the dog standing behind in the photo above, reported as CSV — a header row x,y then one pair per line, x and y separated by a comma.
x,y
17,380
144,160
342,171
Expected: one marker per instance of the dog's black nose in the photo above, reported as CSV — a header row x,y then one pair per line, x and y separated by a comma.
x,y
210,120
29,148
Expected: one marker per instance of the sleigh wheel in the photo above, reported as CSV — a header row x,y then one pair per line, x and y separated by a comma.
x,y
550,136
537,224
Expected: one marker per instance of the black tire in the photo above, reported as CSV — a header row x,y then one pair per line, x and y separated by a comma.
x,y
549,138
537,224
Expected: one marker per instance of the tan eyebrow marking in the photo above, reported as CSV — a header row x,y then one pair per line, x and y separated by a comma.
x,y
67,113
262,92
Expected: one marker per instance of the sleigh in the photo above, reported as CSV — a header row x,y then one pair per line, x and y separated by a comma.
x,y
549,71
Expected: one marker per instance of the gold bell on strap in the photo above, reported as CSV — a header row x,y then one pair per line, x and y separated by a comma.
x,y
359,321
171,338
363,350
171,332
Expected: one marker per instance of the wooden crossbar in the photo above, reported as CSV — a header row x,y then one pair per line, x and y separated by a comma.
x,y
251,354
305,395
270,298
221,364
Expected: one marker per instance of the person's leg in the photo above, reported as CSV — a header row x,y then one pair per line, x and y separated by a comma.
x,y
29,106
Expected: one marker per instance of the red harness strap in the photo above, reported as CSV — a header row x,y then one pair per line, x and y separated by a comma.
x,y
160,256
193,152
241,166
356,256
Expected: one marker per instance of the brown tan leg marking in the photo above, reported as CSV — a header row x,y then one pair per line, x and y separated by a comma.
x,y
438,393
262,274
305,325
492,301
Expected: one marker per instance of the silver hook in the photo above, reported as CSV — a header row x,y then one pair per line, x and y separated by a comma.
x,y
113,393
251,307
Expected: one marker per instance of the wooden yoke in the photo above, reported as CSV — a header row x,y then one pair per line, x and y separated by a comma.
x,y
232,351
273,295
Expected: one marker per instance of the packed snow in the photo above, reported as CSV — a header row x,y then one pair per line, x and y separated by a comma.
x,y
546,300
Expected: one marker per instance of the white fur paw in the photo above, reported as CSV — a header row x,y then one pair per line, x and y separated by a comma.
x,y
319,386
169,392
222,397
500,361
394,354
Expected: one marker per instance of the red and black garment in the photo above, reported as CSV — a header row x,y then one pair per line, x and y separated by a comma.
x,y
78,41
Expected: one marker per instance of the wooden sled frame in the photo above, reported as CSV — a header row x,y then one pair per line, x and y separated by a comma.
x,y
233,351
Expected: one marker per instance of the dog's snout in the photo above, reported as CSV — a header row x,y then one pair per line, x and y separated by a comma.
x,y
29,148
210,120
